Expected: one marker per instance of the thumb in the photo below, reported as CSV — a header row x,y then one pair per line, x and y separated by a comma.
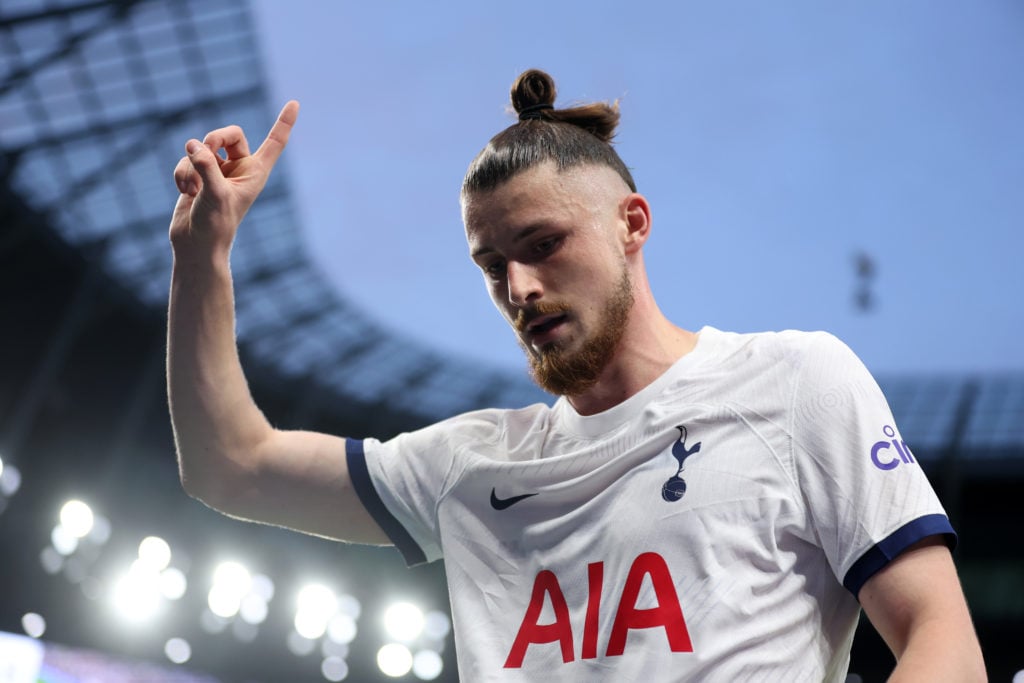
x,y
204,161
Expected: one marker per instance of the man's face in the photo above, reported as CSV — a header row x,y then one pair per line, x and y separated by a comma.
x,y
548,243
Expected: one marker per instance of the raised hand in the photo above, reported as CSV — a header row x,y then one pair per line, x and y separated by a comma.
x,y
216,192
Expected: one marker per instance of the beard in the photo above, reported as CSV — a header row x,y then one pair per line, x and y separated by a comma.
x,y
565,372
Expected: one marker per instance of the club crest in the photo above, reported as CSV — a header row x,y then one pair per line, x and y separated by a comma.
x,y
673,489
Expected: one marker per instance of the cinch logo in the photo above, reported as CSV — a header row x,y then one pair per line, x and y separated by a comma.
x,y
888,461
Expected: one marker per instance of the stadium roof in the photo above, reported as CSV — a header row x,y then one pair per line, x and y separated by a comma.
x,y
97,99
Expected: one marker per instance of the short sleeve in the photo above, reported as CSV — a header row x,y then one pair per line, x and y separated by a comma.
x,y
402,481
868,497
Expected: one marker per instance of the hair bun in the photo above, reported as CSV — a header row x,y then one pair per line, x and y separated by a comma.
x,y
534,89
533,97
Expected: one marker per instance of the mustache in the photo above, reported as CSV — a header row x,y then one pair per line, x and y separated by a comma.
x,y
525,316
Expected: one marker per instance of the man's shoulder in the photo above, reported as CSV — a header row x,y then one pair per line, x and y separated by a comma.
x,y
773,346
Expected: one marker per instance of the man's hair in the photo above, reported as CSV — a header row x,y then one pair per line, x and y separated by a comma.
x,y
574,136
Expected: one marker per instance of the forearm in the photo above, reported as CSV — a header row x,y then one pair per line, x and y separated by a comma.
x,y
217,425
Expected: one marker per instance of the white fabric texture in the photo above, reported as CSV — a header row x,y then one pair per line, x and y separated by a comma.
x,y
799,474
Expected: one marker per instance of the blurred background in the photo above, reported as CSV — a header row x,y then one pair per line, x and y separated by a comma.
x,y
854,168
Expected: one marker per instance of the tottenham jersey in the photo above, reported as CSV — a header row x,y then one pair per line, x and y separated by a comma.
x,y
716,526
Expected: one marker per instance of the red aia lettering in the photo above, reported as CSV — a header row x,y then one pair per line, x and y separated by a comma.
x,y
530,631
667,614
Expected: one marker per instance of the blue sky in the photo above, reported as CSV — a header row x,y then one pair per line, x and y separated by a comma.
x,y
773,140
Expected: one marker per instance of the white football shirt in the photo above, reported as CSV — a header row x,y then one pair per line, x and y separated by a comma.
x,y
716,526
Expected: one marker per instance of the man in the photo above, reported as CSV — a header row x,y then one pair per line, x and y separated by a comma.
x,y
695,507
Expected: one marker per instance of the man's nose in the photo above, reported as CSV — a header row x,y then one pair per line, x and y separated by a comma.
x,y
524,286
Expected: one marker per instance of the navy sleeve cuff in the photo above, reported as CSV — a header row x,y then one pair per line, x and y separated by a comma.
x,y
886,550
360,475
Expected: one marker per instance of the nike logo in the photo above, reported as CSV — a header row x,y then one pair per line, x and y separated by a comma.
x,y
502,503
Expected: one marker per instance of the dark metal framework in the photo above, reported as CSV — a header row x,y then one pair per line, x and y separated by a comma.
x,y
96,97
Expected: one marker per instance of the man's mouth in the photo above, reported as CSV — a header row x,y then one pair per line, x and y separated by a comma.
x,y
543,324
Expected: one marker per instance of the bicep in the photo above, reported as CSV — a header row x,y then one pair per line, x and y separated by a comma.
x,y
300,480
917,596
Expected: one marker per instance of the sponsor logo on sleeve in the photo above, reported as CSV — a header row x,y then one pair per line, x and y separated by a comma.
x,y
889,454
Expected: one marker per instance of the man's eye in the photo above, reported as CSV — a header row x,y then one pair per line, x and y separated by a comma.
x,y
547,245
494,270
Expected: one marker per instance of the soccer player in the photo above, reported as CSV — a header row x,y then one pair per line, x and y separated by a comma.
x,y
696,506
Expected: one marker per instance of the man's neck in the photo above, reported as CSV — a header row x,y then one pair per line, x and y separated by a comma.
x,y
640,359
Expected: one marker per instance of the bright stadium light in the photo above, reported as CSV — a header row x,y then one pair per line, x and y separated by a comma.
x,y
231,583
51,560
342,629
298,645
34,625
427,665
233,574
173,583
403,621
77,518
10,480
253,609
100,532
316,605
334,669
224,600
394,660
436,625
263,587
178,650
136,595
63,541
348,604
154,552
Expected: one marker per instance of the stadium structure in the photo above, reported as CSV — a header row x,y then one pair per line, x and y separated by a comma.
x,y
96,97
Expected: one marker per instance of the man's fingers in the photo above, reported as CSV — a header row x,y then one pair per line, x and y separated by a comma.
x,y
231,139
185,177
205,163
276,140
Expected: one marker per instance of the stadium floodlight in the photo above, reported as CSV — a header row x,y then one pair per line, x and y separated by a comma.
x,y
100,532
316,605
77,518
253,609
10,480
427,665
403,621
173,583
234,575
334,669
33,624
224,600
136,594
394,659
63,541
299,645
350,605
178,650
231,583
155,553
342,629
436,625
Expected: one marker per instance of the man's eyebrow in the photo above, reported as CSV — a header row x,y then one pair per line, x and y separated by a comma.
x,y
519,237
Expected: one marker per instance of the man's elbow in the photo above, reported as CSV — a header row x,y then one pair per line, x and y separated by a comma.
x,y
202,481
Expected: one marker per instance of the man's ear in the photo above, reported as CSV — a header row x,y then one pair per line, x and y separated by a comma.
x,y
637,214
